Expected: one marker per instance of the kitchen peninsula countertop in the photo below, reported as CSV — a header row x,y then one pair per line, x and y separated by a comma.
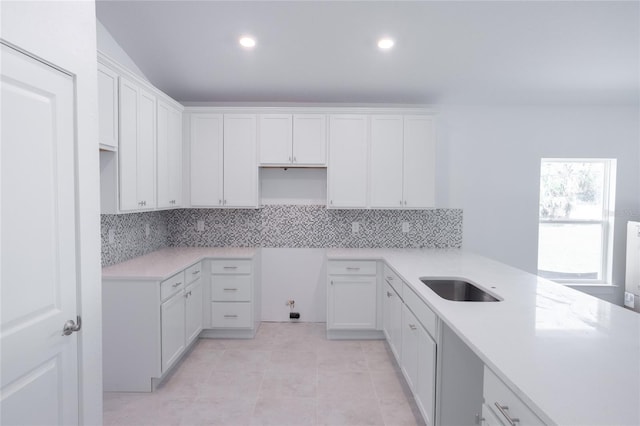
x,y
162,264
573,358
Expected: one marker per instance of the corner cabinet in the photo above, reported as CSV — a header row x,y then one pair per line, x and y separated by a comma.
x,y
107,108
347,168
224,169
169,156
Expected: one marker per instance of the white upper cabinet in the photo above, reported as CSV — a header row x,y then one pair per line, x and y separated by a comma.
x,y
275,138
206,160
137,147
292,140
169,150
419,162
386,161
347,169
402,162
240,161
107,108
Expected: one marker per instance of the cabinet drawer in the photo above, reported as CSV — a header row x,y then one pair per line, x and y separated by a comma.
x,y
393,279
171,286
231,288
496,394
192,273
231,266
422,312
231,314
352,267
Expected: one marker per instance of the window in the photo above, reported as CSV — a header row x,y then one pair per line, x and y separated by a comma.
x,y
576,220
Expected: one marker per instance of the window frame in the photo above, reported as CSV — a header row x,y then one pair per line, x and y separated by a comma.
x,y
606,221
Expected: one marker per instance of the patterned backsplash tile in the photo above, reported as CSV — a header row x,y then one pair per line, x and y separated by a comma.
x,y
303,226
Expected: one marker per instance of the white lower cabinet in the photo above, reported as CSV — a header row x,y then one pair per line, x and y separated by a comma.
x,y
392,314
502,406
235,299
352,295
147,327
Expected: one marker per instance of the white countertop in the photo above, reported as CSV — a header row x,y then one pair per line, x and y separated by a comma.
x,y
573,358
162,264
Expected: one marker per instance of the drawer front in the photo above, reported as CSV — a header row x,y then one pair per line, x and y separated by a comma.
x,y
231,315
351,267
171,286
192,273
422,312
497,394
232,266
231,288
393,279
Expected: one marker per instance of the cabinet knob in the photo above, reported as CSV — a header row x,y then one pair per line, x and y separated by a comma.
x,y
219,201
295,160
389,294
289,159
225,202
412,326
405,202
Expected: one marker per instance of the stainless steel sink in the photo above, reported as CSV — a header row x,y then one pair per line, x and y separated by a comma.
x,y
458,290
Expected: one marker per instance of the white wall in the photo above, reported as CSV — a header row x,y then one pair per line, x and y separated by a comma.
x,y
64,34
493,159
109,46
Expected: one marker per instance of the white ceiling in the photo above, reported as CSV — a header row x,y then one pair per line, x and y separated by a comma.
x,y
325,51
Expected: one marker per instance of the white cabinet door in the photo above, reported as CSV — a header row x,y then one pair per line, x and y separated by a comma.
x,y
172,317
169,154
146,158
410,327
128,148
206,160
310,139
352,303
347,169
393,320
193,306
107,108
426,375
240,161
386,161
39,366
419,161
275,136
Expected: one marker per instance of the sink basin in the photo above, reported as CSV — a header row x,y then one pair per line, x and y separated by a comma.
x,y
458,290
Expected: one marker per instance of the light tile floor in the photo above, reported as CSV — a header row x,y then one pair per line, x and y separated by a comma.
x,y
290,374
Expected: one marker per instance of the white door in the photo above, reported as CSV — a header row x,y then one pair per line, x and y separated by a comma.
x,y
386,161
275,136
419,162
206,160
128,148
426,374
240,161
146,158
39,380
169,154
107,108
172,317
194,307
175,157
347,169
409,363
352,303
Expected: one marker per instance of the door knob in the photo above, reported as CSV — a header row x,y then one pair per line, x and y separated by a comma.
x,y
70,326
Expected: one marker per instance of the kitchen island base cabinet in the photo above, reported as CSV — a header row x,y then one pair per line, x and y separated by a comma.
x,y
502,406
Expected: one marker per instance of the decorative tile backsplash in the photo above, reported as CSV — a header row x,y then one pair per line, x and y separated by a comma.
x,y
130,238
303,226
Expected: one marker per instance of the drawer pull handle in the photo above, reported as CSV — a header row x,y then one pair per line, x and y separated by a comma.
x,y
389,294
231,316
353,268
230,289
503,410
229,267
177,284
412,326
195,272
389,278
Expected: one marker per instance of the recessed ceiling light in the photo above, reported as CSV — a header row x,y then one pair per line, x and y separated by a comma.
x,y
385,43
247,42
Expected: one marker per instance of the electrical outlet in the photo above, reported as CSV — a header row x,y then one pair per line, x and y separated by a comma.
x,y
147,230
111,235
406,227
200,225
629,299
355,227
